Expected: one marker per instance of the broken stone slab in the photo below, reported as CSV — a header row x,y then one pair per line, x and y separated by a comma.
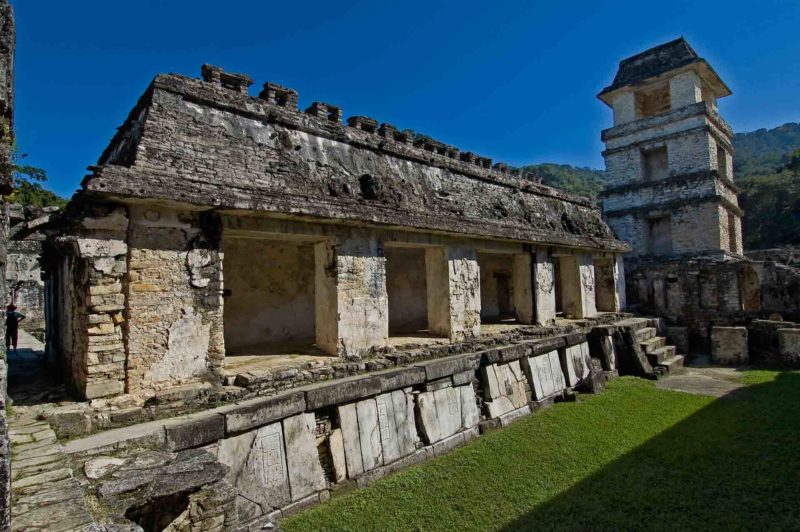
x,y
257,412
405,421
498,406
395,379
447,366
302,458
101,466
509,417
336,446
348,422
341,391
559,381
206,429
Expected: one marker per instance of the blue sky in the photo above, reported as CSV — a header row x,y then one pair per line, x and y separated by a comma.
x,y
515,81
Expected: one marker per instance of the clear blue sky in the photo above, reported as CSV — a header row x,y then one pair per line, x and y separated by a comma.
x,y
515,81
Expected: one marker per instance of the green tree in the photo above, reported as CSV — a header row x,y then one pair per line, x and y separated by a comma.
x,y
794,163
28,189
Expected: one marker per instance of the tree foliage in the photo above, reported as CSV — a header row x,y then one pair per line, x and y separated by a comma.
x,y
584,181
28,188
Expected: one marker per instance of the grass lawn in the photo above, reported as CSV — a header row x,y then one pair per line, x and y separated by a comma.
x,y
635,457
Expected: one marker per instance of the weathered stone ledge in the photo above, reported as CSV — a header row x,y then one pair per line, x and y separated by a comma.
x,y
392,369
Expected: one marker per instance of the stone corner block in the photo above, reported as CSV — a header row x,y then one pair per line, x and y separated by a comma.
x,y
447,366
341,391
196,432
263,410
510,353
789,346
394,379
95,390
539,347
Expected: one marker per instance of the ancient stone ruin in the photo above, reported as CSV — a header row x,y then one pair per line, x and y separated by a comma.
x,y
672,196
257,307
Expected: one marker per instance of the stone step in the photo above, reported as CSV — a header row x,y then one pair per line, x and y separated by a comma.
x,y
658,356
672,364
653,343
633,323
645,333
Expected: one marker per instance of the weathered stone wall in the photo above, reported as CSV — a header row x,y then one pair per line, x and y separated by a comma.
x,y
7,50
701,293
406,286
174,298
497,286
285,452
269,292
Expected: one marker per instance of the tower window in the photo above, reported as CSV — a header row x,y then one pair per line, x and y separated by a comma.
x,y
722,161
655,164
733,245
652,102
659,236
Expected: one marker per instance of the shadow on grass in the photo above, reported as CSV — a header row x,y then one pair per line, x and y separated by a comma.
x,y
733,465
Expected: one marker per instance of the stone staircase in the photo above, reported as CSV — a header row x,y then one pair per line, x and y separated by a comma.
x,y
661,356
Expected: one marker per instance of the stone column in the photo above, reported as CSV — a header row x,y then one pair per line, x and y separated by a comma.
x,y
572,292
545,296
523,288
619,283
454,293
587,284
352,308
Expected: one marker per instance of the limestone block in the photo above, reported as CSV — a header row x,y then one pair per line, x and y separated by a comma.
x,y
186,357
348,422
369,433
448,410
403,406
568,365
447,366
583,362
336,446
498,406
302,459
199,431
394,379
104,389
454,300
429,421
390,444
470,415
540,376
263,477
260,411
789,346
559,381
97,248
544,289
729,345
341,391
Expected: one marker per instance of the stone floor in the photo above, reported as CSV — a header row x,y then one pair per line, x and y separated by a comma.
x,y
45,494
700,378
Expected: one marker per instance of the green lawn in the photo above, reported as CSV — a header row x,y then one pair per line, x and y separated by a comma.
x,y
635,457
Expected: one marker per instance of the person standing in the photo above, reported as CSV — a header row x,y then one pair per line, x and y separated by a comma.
x,y
12,326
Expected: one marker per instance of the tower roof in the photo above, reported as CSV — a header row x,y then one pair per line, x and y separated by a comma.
x,y
660,60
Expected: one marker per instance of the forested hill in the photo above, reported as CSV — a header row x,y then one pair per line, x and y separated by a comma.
x,y
763,150
770,193
580,180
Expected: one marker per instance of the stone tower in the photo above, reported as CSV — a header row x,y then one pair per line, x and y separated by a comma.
x,y
669,158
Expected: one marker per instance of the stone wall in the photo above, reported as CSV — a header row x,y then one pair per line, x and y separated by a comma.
x,y
701,293
269,292
174,299
285,452
7,50
406,286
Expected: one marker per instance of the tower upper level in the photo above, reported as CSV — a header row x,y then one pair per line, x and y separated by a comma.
x,y
662,79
